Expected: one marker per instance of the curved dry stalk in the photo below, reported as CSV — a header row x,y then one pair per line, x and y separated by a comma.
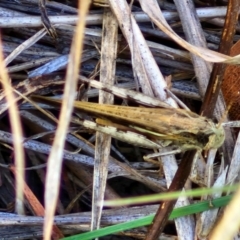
x,y
17,138
155,14
56,155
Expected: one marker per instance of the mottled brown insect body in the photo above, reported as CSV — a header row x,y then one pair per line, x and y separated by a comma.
x,y
175,127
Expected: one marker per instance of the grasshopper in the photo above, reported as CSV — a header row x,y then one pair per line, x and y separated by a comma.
x,y
160,127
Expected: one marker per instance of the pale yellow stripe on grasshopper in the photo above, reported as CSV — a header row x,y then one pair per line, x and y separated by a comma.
x,y
125,136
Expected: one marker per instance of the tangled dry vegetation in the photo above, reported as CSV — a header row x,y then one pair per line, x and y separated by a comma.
x,y
128,53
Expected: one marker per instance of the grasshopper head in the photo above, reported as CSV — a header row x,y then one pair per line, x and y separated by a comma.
x,y
217,138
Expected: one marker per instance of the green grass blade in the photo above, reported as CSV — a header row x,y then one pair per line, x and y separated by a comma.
x,y
178,212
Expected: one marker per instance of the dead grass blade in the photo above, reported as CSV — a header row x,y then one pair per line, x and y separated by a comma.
x,y
127,94
26,44
17,134
152,9
144,65
103,141
56,155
